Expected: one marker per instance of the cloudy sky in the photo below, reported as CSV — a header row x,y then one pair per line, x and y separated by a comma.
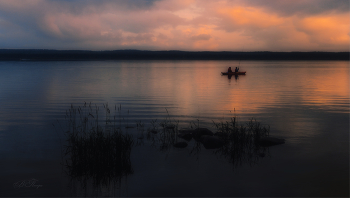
x,y
193,25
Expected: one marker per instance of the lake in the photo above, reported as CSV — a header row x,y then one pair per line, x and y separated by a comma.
x,y
304,102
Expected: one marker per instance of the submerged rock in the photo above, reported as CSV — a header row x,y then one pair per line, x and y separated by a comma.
x,y
185,136
186,131
180,144
261,154
197,133
211,142
154,131
170,126
221,134
270,141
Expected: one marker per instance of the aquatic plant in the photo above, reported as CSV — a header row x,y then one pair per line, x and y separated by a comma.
x,y
100,153
166,137
241,142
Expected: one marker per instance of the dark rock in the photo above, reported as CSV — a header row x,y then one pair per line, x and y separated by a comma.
x,y
261,154
197,133
154,131
270,141
211,142
186,131
180,144
221,134
170,126
185,136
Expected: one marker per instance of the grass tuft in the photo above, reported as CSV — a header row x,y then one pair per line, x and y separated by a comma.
x,y
100,153
241,142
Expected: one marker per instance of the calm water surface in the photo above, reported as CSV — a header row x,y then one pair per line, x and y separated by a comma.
x,y
306,103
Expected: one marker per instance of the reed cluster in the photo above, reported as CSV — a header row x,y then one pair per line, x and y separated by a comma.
x,y
100,150
163,135
241,141
100,153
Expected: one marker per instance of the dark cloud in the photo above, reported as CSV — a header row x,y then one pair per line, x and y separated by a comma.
x,y
127,4
302,7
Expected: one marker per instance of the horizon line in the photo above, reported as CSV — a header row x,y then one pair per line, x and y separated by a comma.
x,y
172,50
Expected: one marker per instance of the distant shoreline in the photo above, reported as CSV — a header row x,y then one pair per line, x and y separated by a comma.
x,y
83,55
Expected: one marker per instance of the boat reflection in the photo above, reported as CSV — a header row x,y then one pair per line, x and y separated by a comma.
x,y
230,76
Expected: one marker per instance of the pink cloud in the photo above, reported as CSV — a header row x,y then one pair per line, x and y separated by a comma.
x,y
176,24
203,37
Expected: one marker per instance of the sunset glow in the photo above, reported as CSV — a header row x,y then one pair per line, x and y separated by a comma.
x,y
176,25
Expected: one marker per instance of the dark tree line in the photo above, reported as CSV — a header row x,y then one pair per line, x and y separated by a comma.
x,y
37,55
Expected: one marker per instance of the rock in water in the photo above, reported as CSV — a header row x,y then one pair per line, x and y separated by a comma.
x,y
270,141
180,144
170,126
186,131
197,133
211,142
186,134
221,134
154,131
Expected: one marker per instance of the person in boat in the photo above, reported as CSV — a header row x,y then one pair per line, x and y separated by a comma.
x,y
229,70
236,70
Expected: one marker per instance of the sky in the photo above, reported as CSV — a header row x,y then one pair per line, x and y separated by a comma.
x,y
190,25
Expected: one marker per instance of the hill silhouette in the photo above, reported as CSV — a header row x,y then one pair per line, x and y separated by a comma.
x,y
54,55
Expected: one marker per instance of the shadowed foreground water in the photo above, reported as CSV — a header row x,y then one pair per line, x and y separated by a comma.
x,y
304,102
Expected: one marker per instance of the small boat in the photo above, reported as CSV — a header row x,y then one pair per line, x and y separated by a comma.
x,y
233,73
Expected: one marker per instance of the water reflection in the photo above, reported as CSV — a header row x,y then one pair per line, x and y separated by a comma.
x,y
305,102
230,76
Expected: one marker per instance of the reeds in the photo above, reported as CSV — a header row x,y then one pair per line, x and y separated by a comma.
x,y
241,142
95,152
100,150
164,138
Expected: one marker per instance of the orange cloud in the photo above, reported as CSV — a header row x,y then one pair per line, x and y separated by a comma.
x,y
329,29
255,28
249,16
175,25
